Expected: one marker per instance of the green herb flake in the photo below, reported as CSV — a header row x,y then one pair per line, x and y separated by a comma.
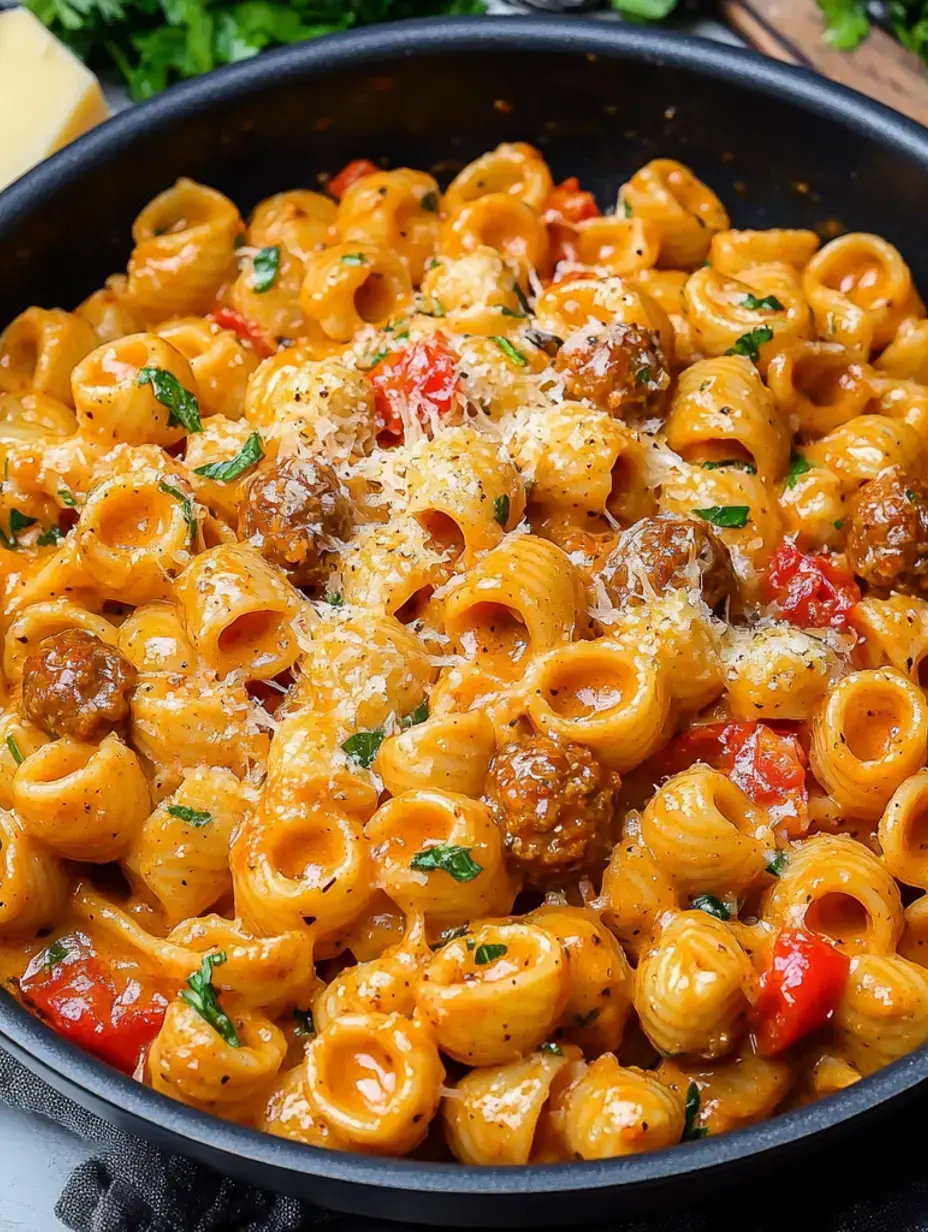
x,y
14,750
67,498
50,538
438,308
54,955
586,1019
193,817
731,463
187,508
511,312
549,343
182,406
626,209
510,351
430,202
450,934
727,517
749,344
798,465
446,858
643,375
354,258
501,509
266,268
203,998
712,906
692,1131
417,716
551,1047
489,953
909,496
522,298
838,524
305,1023
248,456
769,303
777,864
336,600
362,747
19,521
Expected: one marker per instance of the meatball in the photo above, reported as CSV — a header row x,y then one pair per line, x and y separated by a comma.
x,y
292,510
555,804
887,533
665,552
622,368
76,685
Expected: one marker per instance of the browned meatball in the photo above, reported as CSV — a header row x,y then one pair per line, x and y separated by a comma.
x,y
292,510
621,368
554,803
887,533
668,552
74,684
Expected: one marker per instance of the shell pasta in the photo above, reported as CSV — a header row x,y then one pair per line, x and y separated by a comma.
x,y
462,681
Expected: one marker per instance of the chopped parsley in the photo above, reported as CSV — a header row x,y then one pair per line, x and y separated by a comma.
x,y
18,521
362,747
798,465
225,472
522,298
550,1046
67,498
456,861
712,906
643,375
838,524
501,509
186,506
549,343
769,303
14,750
417,716
336,600
182,405
777,864
489,953
50,538
430,202
692,1131
266,268
733,463
510,351
202,997
727,517
305,1023
354,258
749,344
511,312
56,953
194,817
626,209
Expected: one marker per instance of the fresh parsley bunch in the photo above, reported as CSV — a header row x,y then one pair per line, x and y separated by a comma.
x,y
848,22
157,42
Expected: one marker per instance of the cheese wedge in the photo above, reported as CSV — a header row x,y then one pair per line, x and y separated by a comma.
x,y
47,97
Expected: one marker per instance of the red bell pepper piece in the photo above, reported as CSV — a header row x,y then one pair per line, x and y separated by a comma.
x,y
421,378
799,991
248,331
809,591
356,170
79,994
565,206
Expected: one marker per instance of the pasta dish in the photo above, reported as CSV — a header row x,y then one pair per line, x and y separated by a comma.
x,y
464,661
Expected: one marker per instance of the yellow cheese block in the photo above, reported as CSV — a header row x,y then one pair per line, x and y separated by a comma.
x,y
47,97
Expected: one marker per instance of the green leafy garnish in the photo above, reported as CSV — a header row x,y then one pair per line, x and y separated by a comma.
x,y
489,953
450,934
838,524
225,472
354,258
305,1023
430,202
266,268
510,351
777,864
846,23
501,509
14,750
733,463
187,508
336,600
626,209
202,997
182,405
769,303
731,517
417,716
56,953
50,538
643,375
549,343
456,861
749,344
193,817
363,745
522,298
67,498
798,465
712,906
511,312
692,1131
550,1046
438,308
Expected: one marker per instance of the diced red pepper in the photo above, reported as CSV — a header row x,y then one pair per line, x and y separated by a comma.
x,y
799,991
768,765
76,992
568,203
248,331
350,174
809,591
422,379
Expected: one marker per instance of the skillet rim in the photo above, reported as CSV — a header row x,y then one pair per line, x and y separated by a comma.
x,y
65,1065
